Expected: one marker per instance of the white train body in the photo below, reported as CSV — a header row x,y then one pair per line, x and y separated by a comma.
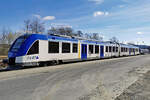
x,y
35,49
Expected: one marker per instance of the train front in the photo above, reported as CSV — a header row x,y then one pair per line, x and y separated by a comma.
x,y
17,49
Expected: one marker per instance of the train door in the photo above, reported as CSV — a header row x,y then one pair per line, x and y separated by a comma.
x,y
84,51
129,51
101,51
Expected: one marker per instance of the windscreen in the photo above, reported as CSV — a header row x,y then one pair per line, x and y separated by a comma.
x,y
18,43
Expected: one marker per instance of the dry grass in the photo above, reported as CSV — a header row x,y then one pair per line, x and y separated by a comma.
x,y
3,57
1,64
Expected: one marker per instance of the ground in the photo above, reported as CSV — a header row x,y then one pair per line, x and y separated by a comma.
x,y
107,79
140,90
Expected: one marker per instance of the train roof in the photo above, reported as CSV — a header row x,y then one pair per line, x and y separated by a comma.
x,y
73,39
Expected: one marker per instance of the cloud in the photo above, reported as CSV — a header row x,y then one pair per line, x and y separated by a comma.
x,y
46,18
96,1
139,33
37,16
121,6
100,13
106,13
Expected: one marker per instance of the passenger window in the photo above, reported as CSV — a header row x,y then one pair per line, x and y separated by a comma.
x,y
34,49
121,49
53,47
116,49
113,49
110,49
91,49
96,49
75,48
65,47
106,48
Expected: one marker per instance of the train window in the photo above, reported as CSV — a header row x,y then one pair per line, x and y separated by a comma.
x,y
75,48
53,47
116,49
65,47
96,49
121,49
91,49
106,48
110,49
113,49
126,49
34,49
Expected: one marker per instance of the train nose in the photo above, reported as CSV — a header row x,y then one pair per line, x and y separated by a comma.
x,y
11,54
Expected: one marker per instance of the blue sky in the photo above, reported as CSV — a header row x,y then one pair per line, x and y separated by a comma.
x,y
128,20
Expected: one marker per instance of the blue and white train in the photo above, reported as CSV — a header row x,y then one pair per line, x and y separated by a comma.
x,y
38,49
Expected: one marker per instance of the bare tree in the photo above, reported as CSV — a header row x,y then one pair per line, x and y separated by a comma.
x,y
69,31
34,26
79,33
100,38
27,26
87,36
94,36
37,26
114,39
61,31
3,36
8,36
53,30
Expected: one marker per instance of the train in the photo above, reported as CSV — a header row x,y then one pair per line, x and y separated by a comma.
x,y
40,50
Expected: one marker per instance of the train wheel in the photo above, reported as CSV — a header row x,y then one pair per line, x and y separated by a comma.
x,y
42,64
60,61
